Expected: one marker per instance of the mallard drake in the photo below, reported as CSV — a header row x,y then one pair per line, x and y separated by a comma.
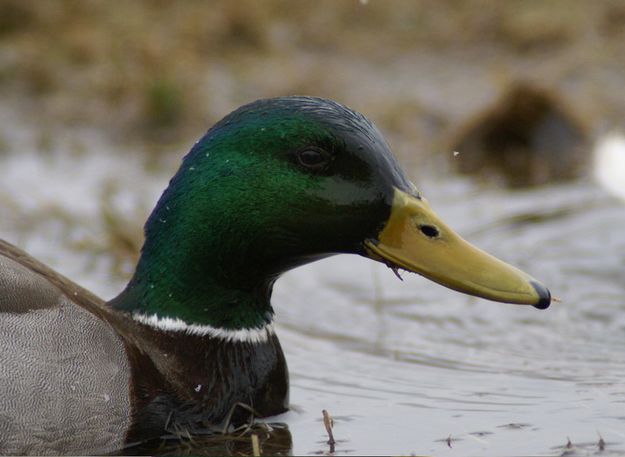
x,y
275,184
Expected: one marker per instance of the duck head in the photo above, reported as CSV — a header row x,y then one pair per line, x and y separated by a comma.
x,y
282,182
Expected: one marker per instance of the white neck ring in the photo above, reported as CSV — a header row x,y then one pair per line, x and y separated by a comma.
x,y
245,335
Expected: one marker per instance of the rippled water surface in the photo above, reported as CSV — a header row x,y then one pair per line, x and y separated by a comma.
x,y
407,367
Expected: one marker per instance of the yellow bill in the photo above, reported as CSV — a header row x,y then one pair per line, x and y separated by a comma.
x,y
417,240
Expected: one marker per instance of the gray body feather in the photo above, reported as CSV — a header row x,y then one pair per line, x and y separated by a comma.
x,y
64,372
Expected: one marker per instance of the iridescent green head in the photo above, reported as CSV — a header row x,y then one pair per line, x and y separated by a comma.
x,y
275,184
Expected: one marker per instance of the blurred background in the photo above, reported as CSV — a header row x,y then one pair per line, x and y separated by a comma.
x,y
508,116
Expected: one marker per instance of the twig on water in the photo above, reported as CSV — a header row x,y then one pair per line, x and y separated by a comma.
x,y
255,445
329,423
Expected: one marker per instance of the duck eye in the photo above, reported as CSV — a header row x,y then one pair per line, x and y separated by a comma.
x,y
314,159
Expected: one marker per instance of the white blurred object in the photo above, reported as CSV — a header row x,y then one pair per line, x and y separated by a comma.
x,y
609,165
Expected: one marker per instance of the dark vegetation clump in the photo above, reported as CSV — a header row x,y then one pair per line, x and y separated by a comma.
x,y
527,138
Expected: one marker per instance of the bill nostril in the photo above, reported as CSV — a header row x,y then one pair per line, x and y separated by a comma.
x,y
429,230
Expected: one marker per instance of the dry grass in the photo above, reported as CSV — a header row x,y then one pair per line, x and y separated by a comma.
x,y
153,68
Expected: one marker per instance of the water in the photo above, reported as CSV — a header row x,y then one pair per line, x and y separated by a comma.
x,y
403,367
